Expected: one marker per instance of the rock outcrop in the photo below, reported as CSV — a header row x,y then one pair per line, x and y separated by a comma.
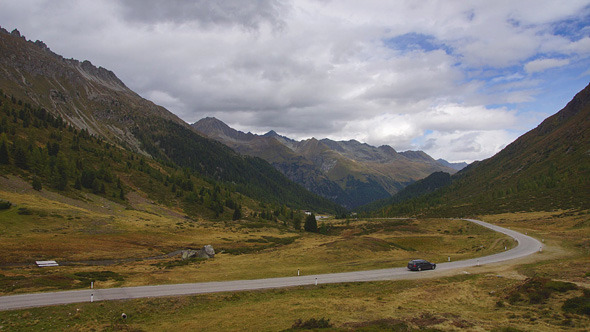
x,y
205,252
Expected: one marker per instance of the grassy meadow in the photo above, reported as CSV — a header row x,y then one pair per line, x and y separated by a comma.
x,y
114,245
91,235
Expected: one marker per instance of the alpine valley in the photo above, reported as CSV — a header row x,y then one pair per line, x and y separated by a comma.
x,y
118,192
349,173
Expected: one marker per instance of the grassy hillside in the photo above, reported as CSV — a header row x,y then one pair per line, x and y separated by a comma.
x,y
425,186
545,169
52,155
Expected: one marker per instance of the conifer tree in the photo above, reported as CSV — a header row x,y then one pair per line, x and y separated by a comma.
x,y
21,158
4,153
311,225
237,213
37,185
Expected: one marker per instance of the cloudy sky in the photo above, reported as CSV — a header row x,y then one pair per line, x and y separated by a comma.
x,y
457,79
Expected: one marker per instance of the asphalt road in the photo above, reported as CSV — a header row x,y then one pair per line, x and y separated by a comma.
x,y
526,246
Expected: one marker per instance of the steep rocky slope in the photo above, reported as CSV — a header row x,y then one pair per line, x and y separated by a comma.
x,y
89,97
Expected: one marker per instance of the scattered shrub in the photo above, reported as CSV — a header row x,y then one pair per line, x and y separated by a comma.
x,y
182,262
4,205
560,286
37,185
385,324
24,211
578,305
312,323
87,277
537,290
506,329
514,297
281,240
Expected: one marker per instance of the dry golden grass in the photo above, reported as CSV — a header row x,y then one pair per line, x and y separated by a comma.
x,y
462,302
93,229
566,235
61,228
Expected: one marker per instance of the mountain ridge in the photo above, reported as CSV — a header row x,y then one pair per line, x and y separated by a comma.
x,y
94,100
70,88
349,172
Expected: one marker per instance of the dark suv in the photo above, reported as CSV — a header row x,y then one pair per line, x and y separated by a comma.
x,y
420,264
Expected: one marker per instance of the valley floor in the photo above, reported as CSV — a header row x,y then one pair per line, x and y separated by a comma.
x,y
483,298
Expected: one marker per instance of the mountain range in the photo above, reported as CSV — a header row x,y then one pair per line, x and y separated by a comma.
x,y
96,101
349,173
78,127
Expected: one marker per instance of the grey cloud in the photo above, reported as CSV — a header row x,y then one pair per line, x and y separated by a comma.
x,y
247,14
311,68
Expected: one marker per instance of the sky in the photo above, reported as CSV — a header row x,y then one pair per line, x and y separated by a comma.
x,y
457,79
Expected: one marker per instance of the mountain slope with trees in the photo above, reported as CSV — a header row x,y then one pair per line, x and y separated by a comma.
x,y
349,173
547,168
94,101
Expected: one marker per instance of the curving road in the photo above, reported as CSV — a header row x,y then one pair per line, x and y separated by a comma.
x,y
526,246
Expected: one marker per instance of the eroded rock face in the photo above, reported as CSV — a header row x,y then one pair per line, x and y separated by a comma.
x,y
84,95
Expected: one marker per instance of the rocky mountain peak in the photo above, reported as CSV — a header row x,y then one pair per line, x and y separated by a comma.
x,y
15,33
387,149
271,133
217,129
350,173
86,96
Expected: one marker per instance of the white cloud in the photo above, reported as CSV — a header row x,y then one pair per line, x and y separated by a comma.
x,y
325,68
540,65
467,145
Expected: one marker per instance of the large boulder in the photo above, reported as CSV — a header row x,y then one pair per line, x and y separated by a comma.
x,y
188,254
207,252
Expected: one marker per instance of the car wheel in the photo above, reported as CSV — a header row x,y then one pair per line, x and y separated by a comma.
x,y
419,269
433,267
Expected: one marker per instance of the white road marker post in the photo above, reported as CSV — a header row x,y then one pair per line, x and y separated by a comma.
x,y
92,285
298,272
91,298
316,281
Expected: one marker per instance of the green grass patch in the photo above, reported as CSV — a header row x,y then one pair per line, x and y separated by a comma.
x,y
247,249
537,290
578,305
179,262
23,211
87,277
